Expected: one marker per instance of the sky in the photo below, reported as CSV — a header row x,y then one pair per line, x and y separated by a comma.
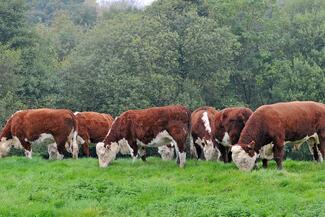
x,y
137,3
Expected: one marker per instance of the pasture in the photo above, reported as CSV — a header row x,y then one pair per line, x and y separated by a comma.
x,y
70,187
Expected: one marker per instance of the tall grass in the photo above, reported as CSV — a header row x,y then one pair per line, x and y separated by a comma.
x,y
69,187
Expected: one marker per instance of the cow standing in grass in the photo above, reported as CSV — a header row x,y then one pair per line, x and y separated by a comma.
x,y
32,125
278,124
134,130
203,142
92,128
228,128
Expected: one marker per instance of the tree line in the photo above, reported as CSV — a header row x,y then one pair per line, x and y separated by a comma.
x,y
73,54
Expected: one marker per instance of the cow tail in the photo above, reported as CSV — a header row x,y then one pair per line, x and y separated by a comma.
x,y
75,148
189,126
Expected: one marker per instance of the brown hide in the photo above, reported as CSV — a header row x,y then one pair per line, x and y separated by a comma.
x,y
282,122
30,124
232,121
146,124
199,129
93,127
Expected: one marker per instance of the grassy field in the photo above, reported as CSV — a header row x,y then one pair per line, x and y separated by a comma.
x,y
40,187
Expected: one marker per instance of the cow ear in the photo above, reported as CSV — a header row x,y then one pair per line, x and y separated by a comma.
x,y
251,145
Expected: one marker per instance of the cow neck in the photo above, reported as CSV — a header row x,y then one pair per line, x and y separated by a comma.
x,y
115,133
253,131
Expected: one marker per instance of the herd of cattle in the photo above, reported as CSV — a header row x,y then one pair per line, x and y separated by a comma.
x,y
233,134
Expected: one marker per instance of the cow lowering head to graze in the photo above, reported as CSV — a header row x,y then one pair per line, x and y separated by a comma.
x,y
134,130
33,125
92,128
228,128
279,124
203,133
166,152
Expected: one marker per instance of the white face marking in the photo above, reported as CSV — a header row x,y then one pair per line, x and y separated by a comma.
x,y
5,146
206,122
210,152
193,149
125,148
80,140
28,154
167,153
53,152
266,152
105,155
16,143
242,160
76,113
226,140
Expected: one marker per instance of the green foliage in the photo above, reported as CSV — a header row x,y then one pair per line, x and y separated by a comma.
x,y
40,187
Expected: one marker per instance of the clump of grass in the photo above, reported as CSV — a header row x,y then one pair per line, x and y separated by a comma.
x,y
70,187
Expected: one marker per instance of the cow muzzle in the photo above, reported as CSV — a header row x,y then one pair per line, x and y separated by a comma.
x,y
211,152
106,154
241,158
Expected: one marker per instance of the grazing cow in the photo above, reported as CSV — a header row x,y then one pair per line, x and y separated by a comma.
x,y
134,130
92,128
278,124
32,125
203,142
166,152
229,127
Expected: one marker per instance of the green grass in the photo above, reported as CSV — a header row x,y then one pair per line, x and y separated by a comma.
x,y
69,187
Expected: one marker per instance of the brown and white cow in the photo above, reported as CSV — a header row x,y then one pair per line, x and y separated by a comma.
x,y
203,142
92,128
228,128
134,130
32,125
277,124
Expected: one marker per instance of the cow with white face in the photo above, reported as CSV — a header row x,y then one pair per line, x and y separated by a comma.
x,y
32,125
203,141
228,128
167,152
134,130
279,124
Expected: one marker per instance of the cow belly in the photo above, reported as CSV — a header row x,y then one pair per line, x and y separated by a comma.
x,y
162,138
43,137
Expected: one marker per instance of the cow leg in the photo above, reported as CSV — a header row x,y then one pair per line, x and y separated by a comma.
x,y
27,148
278,150
321,146
133,151
142,153
265,163
85,149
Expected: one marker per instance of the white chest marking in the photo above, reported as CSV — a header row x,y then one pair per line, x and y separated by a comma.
x,y
206,122
226,140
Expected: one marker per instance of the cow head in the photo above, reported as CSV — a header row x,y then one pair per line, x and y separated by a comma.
x,y
211,152
5,145
106,154
167,153
244,156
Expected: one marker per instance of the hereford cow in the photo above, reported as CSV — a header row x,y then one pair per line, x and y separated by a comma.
x,y
278,124
31,125
134,130
166,152
228,128
203,142
92,128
